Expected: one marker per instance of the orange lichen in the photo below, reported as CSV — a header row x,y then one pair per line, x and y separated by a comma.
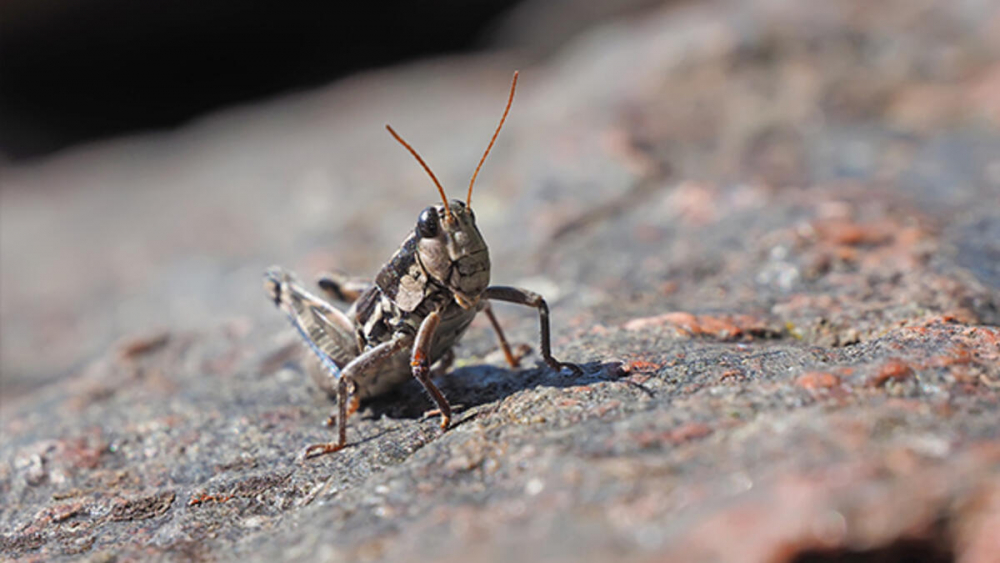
x,y
893,369
850,233
688,432
640,366
722,327
817,380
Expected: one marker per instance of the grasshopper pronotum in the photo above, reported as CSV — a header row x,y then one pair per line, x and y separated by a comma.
x,y
419,305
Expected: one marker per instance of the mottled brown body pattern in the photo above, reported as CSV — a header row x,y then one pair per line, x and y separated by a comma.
x,y
420,304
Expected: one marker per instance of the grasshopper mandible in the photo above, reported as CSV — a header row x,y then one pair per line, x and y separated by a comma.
x,y
420,304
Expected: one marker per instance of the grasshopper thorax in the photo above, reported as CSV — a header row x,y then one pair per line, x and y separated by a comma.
x,y
452,251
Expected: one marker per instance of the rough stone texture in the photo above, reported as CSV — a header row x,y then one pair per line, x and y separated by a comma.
x,y
769,230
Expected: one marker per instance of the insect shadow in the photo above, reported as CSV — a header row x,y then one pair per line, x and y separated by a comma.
x,y
473,386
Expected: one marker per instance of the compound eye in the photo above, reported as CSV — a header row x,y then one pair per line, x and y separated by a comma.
x,y
427,224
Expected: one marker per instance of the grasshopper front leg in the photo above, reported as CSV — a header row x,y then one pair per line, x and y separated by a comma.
x,y
532,299
420,363
370,360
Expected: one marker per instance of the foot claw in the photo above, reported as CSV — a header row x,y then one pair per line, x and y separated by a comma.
x,y
559,366
445,418
517,353
321,449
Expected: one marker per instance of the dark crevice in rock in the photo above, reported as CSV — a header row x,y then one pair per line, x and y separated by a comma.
x,y
931,550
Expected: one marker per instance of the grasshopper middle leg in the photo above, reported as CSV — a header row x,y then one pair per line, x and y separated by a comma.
x,y
420,362
512,359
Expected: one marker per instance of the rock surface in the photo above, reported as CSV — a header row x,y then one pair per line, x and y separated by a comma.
x,y
770,231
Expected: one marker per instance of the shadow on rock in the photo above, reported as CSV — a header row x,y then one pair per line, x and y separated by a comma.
x,y
470,387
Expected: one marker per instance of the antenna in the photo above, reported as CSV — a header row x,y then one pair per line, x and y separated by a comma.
x,y
444,198
510,100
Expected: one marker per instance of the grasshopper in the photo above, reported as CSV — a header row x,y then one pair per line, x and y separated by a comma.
x,y
420,304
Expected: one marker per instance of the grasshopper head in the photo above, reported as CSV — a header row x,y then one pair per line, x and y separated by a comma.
x,y
452,251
